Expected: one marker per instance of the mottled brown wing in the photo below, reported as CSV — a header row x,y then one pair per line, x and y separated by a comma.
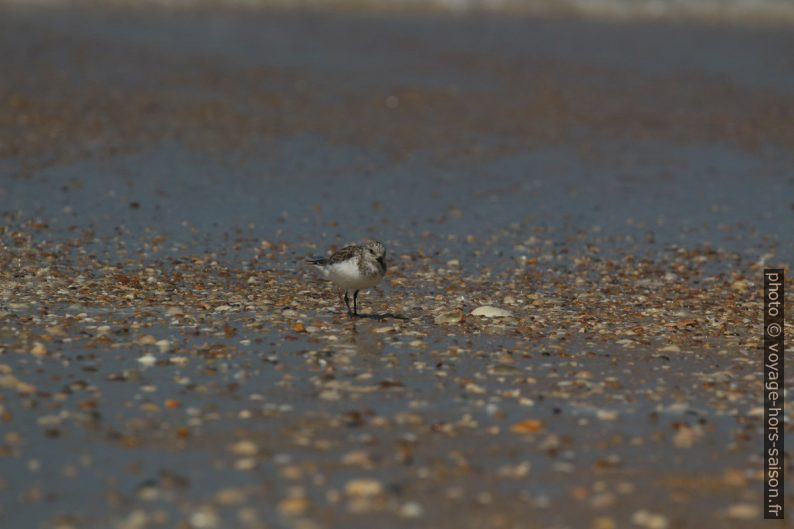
x,y
348,252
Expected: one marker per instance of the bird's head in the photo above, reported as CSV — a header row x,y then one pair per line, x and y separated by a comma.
x,y
376,250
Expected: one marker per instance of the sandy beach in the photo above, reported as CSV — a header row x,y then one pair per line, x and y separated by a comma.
x,y
612,190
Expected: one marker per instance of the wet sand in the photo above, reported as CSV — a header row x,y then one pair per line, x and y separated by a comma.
x,y
166,359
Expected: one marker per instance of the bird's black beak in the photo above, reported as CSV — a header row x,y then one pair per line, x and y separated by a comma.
x,y
382,262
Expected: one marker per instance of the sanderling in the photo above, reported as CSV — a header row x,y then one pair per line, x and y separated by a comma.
x,y
354,267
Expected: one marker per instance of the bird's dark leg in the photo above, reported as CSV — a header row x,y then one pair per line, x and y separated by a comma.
x,y
347,303
355,308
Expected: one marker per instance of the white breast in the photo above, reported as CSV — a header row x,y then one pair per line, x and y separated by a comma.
x,y
348,276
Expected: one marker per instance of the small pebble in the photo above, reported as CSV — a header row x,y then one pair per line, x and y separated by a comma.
x,y
147,360
38,349
244,447
363,487
649,520
411,509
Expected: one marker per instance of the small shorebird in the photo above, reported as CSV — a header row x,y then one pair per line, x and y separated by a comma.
x,y
354,267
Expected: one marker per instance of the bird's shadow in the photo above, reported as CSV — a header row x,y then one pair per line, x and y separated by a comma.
x,y
380,317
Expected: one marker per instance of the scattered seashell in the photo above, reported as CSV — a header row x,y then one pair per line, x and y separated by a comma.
x,y
363,487
488,311
449,317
